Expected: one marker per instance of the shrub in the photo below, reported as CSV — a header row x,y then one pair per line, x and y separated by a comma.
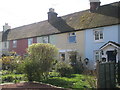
x,y
12,78
0,63
64,69
54,74
20,68
10,62
39,61
76,64
5,72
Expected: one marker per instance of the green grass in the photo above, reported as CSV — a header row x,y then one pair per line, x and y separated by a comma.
x,y
75,81
13,75
12,78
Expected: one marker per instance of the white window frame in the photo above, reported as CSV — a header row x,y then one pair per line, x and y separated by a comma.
x,y
100,34
97,54
71,35
14,43
30,41
45,39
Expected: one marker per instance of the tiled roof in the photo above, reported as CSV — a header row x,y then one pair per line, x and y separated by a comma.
x,y
106,15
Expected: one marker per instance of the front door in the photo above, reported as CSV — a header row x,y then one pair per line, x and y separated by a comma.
x,y
111,56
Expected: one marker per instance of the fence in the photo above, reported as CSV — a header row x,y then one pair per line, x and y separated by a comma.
x,y
118,73
107,75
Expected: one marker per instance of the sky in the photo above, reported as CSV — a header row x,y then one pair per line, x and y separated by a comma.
x,y
22,12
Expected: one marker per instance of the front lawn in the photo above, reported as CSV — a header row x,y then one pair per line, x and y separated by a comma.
x,y
9,77
75,81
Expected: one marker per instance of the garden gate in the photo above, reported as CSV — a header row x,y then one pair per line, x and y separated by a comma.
x,y
108,74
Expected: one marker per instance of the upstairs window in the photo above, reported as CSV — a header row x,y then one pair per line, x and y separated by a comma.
x,y
45,39
14,43
30,41
98,35
72,37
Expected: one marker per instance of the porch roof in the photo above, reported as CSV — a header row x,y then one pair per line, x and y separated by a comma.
x,y
110,43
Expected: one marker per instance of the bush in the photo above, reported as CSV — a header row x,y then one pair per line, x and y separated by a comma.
x,y
54,74
10,62
5,72
76,64
64,69
39,61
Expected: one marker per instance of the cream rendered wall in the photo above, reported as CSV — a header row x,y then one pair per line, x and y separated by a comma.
x,y
3,45
52,39
5,49
62,43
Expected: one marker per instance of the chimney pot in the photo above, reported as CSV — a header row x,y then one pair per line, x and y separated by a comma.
x,y
94,5
6,27
51,10
52,16
94,0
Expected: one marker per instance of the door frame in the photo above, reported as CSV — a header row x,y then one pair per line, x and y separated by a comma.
x,y
110,46
112,51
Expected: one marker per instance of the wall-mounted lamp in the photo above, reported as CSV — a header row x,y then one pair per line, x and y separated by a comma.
x,y
86,60
102,52
115,52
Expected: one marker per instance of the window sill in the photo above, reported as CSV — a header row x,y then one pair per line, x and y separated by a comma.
x,y
98,41
72,42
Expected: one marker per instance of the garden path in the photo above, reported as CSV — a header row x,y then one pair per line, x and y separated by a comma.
x,y
29,86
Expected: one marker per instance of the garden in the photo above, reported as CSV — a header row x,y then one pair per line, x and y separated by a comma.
x,y
41,65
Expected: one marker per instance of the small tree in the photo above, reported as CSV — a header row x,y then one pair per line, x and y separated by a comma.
x,y
39,61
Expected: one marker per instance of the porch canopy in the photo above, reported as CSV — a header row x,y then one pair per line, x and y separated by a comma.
x,y
110,51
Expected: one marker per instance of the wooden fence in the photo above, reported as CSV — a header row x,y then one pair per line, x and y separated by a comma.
x,y
118,73
106,75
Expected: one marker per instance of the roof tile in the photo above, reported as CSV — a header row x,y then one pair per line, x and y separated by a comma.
x,y
105,16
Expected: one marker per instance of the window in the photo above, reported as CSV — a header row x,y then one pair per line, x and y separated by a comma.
x,y
97,55
45,39
98,35
62,56
14,43
72,37
30,41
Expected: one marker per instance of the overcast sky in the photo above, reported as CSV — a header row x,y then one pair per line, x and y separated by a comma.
x,y
21,12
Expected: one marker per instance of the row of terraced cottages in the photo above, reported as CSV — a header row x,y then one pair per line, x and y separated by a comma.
x,y
93,33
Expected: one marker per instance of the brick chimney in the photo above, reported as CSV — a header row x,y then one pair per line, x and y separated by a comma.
x,y
52,16
94,5
6,27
